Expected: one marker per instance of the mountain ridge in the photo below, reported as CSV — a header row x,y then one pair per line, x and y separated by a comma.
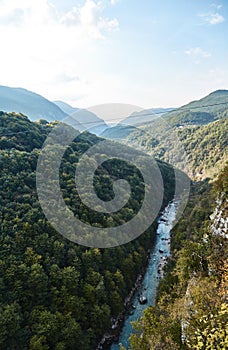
x,y
199,112
65,107
35,106
20,100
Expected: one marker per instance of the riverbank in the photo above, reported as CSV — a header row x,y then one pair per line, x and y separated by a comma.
x,y
145,285
113,334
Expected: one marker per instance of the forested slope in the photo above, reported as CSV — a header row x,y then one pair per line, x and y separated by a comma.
x,y
55,294
209,108
191,310
201,151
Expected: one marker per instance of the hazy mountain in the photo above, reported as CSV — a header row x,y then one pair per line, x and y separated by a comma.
x,y
65,107
200,128
37,107
118,132
82,119
133,121
145,116
29,103
206,110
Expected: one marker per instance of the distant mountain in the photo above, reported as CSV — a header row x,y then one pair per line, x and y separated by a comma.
x,y
29,103
212,107
37,107
192,138
145,116
118,132
133,121
65,107
82,119
201,112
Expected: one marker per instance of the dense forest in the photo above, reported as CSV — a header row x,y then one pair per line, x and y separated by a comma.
x,y
191,310
114,175
55,294
204,147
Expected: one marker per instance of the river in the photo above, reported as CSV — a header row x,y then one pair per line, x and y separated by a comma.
x,y
154,272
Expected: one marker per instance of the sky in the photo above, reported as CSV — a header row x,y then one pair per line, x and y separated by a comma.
x,y
147,53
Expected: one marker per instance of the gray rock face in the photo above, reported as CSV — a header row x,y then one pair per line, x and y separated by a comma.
x,y
219,217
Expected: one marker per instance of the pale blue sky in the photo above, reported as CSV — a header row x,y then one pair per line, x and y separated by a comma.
x,y
147,53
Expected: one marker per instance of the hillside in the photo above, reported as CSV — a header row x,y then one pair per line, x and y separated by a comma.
x,y
209,108
29,103
18,132
191,310
55,294
204,148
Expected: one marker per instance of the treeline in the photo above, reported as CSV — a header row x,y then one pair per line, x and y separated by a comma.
x,y
191,310
55,294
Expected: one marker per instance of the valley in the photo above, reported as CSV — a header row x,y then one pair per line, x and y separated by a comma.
x,y
113,175
55,294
